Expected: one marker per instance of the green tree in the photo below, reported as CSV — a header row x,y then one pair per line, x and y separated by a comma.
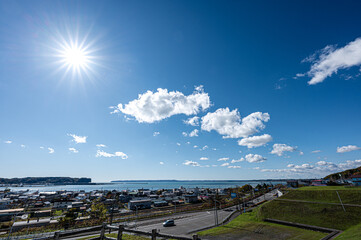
x,y
69,218
98,211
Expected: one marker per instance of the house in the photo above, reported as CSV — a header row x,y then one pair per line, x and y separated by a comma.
x,y
318,182
190,198
140,204
160,203
356,179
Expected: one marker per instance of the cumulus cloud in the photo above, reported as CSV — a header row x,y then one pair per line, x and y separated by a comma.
x,y
51,150
224,164
161,163
191,163
279,149
223,159
255,141
73,150
234,166
155,106
195,146
193,121
254,158
348,148
194,133
78,139
101,145
101,153
330,59
8,142
156,134
203,158
230,125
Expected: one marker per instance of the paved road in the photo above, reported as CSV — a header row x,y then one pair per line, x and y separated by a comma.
x,y
186,223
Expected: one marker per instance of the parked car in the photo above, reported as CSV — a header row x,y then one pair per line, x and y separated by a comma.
x,y
168,223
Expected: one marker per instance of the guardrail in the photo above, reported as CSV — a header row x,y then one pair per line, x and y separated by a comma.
x,y
120,230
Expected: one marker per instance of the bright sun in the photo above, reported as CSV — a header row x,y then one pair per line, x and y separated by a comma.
x,y
76,57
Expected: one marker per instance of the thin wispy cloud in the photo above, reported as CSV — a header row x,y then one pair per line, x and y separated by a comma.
x,y
8,141
348,148
101,153
73,150
51,150
330,60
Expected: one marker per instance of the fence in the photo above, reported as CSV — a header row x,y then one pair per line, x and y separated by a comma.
x,y
120,229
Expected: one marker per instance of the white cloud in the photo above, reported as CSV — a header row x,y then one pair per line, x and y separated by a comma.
x,y
78,139
161,163
195,146
316,151
237,160
101,153
73,150
302,153
223,159
178,144
255,141
234,166
330,59
23,146
348,148
156,134
279,149
152,107
101,145
194,133
193,121
254,158
203,158
8,142
188,142
191,163
41,147
51,150
224,164
204,147
230,125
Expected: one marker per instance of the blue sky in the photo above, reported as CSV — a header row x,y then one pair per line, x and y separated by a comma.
x,y
104,89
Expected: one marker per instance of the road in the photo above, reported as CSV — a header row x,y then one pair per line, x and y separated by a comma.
x,y
187,223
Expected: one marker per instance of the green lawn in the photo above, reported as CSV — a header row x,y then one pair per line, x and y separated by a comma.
x,y
248,225
351,233
323,215
325,194
317,188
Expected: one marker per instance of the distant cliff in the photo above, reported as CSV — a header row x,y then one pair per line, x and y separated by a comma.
x,y
46,180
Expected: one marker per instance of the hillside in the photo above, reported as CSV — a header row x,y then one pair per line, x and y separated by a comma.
x,y
345,174
45,180
317,207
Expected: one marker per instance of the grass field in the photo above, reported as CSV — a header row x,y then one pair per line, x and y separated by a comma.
x,y
318,214
326,194
249,226
351,233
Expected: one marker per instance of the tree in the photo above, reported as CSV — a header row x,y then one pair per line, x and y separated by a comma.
x,y
98,211
69,218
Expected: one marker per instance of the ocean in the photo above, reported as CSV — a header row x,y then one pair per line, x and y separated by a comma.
x,y
151,185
